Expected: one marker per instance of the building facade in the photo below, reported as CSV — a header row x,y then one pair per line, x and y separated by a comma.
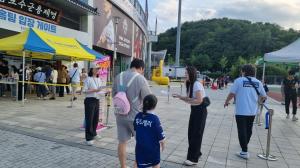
x,y
121,26
67,18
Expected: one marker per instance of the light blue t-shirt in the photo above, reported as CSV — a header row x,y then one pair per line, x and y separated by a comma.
x,y
40,77
75,75
246,102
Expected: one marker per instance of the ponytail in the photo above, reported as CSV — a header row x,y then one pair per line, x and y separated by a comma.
x,y
144,110
149,103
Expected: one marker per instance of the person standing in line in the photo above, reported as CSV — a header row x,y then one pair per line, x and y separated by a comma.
x,y
20,87
83,76
136,92
92,85
53,79
40,77
15,76
150,138
4,72
74,76
195,94
248,93
290,92
62,79
67,80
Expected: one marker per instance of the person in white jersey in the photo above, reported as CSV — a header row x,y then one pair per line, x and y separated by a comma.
x,y
247,91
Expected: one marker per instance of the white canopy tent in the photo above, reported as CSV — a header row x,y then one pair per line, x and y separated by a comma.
x,y
288,54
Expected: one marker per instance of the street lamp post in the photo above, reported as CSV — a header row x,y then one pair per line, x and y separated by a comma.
x,y
178,35
116,20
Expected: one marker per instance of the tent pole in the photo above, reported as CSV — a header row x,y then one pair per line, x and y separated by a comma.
x,y
23,78
264,71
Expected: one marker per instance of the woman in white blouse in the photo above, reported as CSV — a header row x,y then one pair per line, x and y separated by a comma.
x,y
92,85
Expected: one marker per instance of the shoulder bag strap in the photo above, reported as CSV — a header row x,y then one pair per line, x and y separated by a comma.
x,y
74,73
131,80
249,79
129,83
40,76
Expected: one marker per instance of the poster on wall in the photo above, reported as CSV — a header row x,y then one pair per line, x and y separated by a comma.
x,y
139,46
104,29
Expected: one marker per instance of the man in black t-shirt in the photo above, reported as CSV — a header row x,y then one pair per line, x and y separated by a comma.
x,y
290,92
3,74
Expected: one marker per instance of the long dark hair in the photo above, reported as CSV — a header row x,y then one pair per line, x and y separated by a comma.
x,y
90,74
14,69
149,103
192,73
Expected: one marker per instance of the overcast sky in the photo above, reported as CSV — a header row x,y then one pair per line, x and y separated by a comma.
x,y
286,13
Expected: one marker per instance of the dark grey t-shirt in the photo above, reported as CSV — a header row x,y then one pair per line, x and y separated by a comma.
x,y
136,92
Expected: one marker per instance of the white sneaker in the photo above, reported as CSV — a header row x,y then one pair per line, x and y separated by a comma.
x,y
89,143
287,116
97,137
244,155
294,118
190,163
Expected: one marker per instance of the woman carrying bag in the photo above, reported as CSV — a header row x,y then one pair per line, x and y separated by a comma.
x,y
196,97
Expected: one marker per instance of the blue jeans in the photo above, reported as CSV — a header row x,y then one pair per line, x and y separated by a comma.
x,y
41,91
13,90
2,89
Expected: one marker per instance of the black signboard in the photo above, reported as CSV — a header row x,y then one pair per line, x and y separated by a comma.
x,y
32,8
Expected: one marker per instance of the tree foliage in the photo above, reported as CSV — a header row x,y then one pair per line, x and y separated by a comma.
x,y
223,44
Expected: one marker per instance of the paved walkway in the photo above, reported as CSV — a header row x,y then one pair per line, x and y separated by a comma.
x,y
46,134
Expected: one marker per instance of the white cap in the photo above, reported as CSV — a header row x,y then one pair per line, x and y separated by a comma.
x,y
94,65
38,68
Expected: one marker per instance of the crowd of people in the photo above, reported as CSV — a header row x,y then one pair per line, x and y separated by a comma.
x,y
47,81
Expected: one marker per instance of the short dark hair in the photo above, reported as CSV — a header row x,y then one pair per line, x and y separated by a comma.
x,y
137,64
249,70
90,74
5,62
291,72
75,65
14,68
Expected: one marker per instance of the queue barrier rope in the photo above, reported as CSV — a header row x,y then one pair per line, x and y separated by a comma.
x,y
49,84
54,84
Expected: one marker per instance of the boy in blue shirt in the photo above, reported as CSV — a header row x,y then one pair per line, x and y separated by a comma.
x,y
149,135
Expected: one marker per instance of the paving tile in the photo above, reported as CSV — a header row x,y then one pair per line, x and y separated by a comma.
x,y
46,134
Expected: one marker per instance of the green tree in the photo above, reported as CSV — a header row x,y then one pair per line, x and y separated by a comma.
x,y
202,62
171,60
236,68
223,63
229,38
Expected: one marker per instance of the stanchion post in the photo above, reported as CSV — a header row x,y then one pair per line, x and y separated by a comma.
x,y
71,98
108,99
168,93
17,90
181,88
267,155
258,116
